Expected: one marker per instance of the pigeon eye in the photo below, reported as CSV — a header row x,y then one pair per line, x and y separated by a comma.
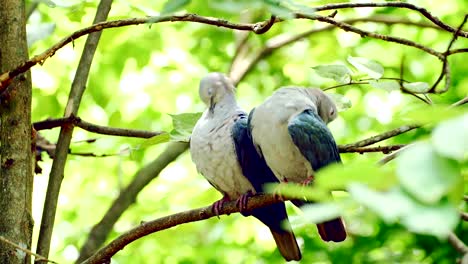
x,y
332,112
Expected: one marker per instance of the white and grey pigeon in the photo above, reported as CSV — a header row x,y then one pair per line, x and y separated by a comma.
x,y
290,132
223,152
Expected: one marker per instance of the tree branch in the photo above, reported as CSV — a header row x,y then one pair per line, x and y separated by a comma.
x,y
380,137
25,250
259,28
63,144
421,10
364,33
127,197
146,228
98,26
361,150
104,130
457,243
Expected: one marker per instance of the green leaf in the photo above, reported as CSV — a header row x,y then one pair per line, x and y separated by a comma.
x,y
162,138
342,103
426,174
183,125
172,6
390,206
321,212
293,190
438,220
417,87
337,72
423,114
339,176
390,85
450,138
370,67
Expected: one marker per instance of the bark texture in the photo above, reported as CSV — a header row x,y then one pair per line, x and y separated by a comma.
x,y
15,137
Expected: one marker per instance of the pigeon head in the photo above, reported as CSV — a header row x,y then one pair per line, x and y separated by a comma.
x,y
326,108
214,87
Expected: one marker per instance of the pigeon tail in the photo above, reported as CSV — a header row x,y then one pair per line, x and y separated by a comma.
x,y
332,230
287,244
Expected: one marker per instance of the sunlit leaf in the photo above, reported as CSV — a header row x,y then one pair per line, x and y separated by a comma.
x,y
339,176
342,102
433,114
438,220
162,138
450,138
416,87
426,174
292,190
387,85
321,212
370,67
337,72
36,32
390,206
183,125
172,6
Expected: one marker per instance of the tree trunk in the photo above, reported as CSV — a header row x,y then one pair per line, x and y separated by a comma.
x,y
15,138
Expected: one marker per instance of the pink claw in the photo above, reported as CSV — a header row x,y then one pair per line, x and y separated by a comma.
x,y
308,180
242,201
218,205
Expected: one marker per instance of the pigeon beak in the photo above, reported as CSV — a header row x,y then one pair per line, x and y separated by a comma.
x,y
212,106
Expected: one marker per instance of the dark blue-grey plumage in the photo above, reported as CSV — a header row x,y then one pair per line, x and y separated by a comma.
x,y
313,138
223,153
258,173
289,131
315,141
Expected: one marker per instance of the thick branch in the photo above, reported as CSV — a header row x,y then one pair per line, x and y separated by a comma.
x,y
104,130
146,228
63,144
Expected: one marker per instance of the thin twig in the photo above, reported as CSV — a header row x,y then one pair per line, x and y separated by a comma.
x,y
421,10
5,78
25,250
392,156
457,243
380,137
445,66
104,130
361,150
364,33
464,216
461,102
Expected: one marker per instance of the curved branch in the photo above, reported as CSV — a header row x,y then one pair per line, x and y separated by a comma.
x,y
380,137
127,197
421,10
364,33
146,228
104,130
6,77
361,150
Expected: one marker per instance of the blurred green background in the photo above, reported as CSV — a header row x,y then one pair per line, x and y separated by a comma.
x,y
141,74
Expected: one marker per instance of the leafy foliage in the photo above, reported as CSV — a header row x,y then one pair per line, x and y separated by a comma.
x,y
141,73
